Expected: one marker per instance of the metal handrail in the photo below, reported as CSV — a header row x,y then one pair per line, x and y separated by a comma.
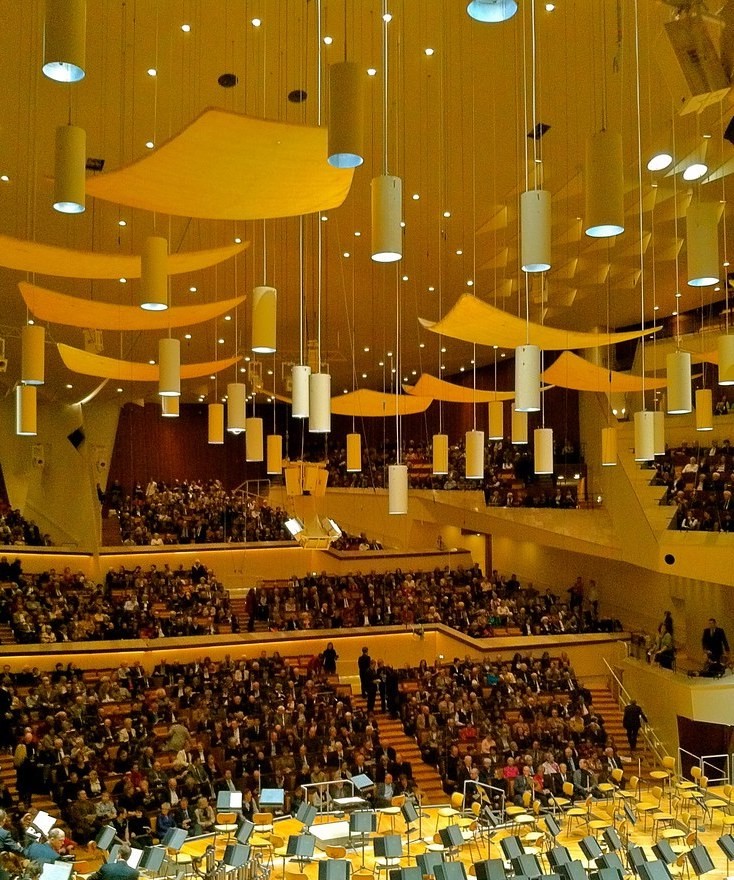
x,y
654,743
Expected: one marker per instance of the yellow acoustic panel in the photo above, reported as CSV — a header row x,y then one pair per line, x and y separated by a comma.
x,y
226,166
58,308
89,364
475,321
572,371
439,389
707,357
46,259
374,403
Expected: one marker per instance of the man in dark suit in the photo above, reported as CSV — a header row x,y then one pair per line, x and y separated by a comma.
x,y
119,869
714,642
7,842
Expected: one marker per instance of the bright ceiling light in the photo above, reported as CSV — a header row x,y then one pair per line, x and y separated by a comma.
x,y
387,17
660,161
695,171
428,51
491,10
328,41
185,28
371,71
152,71
256,22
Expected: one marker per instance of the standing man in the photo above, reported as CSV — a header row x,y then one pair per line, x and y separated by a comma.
x,y
363,664
632,722
714,642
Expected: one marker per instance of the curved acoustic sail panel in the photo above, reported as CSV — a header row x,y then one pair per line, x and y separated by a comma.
x,y
373,404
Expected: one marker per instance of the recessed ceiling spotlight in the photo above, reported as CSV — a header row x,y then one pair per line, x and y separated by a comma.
x,y
123,280
402,224
187,336
381,363
247,359
656,308
443,366
428,51
192,289
4,178
549,7
447,214
461,369
228,317
220,341
387,18
416,196
149,145
69,386
389,354
459,252
256,22
502,355
405,277
357,234
443,349
151,362
469,283
346,254
328,41
422,345
238,240
152,71
185,28
242,370
119,390
324,218
695,171
371,71
270,372
678,295
122,222
344,391
364,375
366,348
431,289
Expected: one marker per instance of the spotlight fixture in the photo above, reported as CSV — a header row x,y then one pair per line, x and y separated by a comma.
x,y
491,10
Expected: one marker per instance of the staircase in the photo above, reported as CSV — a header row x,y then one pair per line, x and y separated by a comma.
x,y
40,801
392,734
111,530
7,636
604,702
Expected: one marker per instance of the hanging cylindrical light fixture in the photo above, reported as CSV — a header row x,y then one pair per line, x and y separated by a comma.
x,y
346,116
264,319
387,208
440,464
475,455
608,447
154,274
704,410
535,225
644,435
254,439
604,185
26,415
319,403
725,351
678,370
397,489
702,243
275,454
354,453
658,432
215,420
70,170
169,367
65,40
519,434
527,378
492,11
236,394
33,355
496,420
543,450
300,378
170,408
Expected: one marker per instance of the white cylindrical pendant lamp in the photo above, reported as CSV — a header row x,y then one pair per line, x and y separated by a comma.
x,y
300,377
387,210
604,185
725,351
535,225
26,415
33,355
527,378
543,452
170,407
704,410
492,11
440,455
215,413
644,435
169,367
346,115
496,420
154,274
702,244
65,40
236,394
354,453
254,439
658,432
475,455
608,447
397,489
70,170
319,403
678,370
519,435
264,319
275,454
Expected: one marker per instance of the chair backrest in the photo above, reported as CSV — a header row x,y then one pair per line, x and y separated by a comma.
x,y
568,789
276,842
727,792
527,796
685,819
656,792
703,782
263,818
536,808
669,763
226,818
696,773
617,774
476,808
397,801
335,852
457,800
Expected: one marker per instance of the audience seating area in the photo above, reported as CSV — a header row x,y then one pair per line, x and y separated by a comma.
x,y
15,529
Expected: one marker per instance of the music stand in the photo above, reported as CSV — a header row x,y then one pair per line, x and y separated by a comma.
x,y
236,855
511,847
664,851
528,865
105,837
451,839
174,838
362,782
272,797
611,839
229,801
306,814
573,870
558,856
635,857
56,871
490,869
654,870
726,845
244,831
630,814
700,860
450,871
428,861
411,873
589,846
410,814
611,860
43,822
152,859
609,874
300,848
362,822
554,829
335,869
